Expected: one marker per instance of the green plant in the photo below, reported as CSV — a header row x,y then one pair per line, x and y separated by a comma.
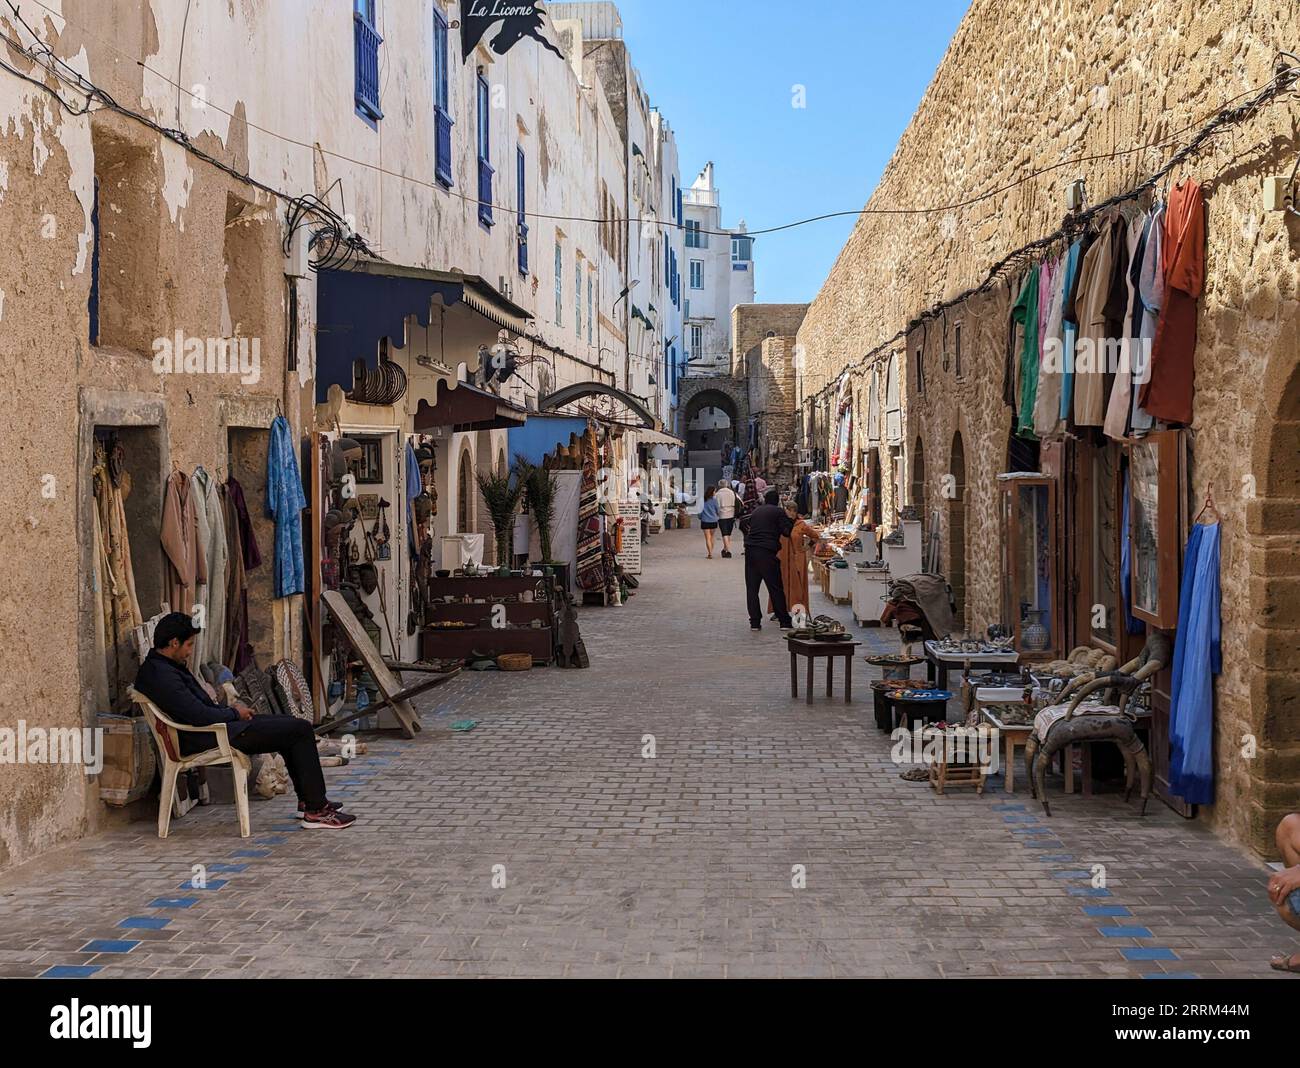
x,y
501,493
540,489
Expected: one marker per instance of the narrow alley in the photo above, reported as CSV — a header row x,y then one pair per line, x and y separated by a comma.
x,y
684,864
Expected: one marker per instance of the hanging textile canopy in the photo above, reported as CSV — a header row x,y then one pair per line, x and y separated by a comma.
x,y
359,305
465,408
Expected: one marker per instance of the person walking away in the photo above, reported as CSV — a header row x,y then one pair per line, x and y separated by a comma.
x,y
726,497
793,558
763,529
709,519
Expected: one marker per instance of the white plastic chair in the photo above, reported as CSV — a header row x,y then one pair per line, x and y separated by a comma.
x,y
167,734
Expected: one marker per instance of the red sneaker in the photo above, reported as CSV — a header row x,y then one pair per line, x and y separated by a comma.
x,y
328,819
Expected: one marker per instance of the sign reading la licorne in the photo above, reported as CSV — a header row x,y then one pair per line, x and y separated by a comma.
x,y
518,20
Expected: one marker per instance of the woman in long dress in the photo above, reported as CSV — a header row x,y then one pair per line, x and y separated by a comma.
x,y
793,556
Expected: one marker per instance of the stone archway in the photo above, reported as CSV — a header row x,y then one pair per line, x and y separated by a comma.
x,y
1273,529
721,391
729,395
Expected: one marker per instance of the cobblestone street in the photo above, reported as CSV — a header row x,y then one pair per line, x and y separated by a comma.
x,y
680,865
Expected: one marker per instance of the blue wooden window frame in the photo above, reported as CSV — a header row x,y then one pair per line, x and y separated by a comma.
x,y
521,196
442,98
366,42
485,171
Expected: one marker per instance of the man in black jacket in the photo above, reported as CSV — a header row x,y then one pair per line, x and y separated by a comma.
x,y
764,528
165,679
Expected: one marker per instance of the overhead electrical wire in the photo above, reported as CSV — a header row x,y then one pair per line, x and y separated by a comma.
x,y
507,209
336,242
1283,81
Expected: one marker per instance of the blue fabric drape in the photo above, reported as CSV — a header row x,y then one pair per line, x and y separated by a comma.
x,y
1197,659
414,487
285,501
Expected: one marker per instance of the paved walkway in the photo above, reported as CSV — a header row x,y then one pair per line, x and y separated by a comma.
x,y
615,864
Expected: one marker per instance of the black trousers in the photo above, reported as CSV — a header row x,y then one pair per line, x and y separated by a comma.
x,y
763,567
293,739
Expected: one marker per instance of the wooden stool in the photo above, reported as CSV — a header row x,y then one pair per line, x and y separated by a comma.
x,y
814,650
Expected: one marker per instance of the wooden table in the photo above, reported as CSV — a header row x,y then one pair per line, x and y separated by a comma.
x,y
941,662
1013,734
813,650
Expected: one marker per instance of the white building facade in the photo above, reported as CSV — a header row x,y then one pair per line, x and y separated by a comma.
x,y
718,274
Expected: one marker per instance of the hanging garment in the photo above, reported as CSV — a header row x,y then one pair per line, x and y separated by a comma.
x,y
1048,401
1025,314
235,625
1090,348
414,487
118,604
212,537
1015,342
1151,296
1070,321
186,565
1168,393
1121,394
1197,659
285,501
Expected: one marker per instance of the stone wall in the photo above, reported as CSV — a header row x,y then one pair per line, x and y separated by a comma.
x,y
1022,90
751,323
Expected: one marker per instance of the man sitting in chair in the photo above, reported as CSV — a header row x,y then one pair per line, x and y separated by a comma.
x,y
165,679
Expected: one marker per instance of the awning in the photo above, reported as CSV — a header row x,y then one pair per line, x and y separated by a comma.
x,y
543,434
366,301
656,437
465,408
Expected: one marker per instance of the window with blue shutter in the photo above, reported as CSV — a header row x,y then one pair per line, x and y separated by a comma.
x,y
589,308
577,294
366,42
484,152
441,99
522,221
559,282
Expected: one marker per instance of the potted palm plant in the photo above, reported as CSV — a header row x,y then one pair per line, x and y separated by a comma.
x,y
501,493
540,488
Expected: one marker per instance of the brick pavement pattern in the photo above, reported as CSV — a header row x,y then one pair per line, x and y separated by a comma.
x,y
616,864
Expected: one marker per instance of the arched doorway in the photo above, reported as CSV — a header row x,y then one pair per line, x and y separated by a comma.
x,y
712,425
955,491
465,490
918,478
1273,528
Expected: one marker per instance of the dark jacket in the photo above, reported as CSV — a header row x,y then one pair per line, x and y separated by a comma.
x,y
178,694
768,524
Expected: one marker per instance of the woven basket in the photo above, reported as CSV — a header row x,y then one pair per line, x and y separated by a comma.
x,y
515,661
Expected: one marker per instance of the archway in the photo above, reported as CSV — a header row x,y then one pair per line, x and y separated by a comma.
x,y
918,480
465,493
955,491
1273,528
711,422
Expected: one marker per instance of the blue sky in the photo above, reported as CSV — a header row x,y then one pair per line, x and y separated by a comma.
x,y
722,71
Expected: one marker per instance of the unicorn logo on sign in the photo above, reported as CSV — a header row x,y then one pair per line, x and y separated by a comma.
x,y
520,20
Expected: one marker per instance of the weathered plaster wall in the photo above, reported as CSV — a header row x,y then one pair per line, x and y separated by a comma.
x,y
1023,89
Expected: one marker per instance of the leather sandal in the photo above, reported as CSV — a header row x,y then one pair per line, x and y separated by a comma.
x,y
1285,963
